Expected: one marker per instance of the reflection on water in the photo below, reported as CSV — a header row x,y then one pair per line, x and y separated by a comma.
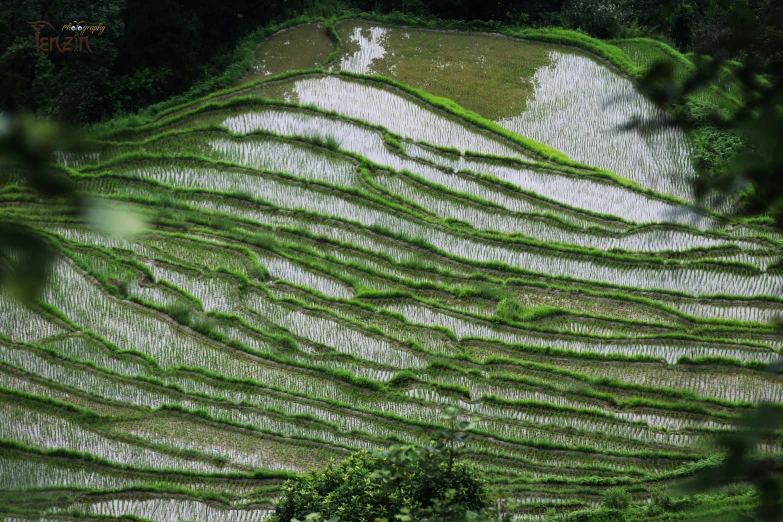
x,y
577,108
370,48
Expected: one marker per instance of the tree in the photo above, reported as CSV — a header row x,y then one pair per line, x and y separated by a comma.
x,y
752,177
403,482
743,463
601,18
70,87
682,20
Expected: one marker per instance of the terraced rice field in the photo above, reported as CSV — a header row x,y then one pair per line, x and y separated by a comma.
x,y
326,266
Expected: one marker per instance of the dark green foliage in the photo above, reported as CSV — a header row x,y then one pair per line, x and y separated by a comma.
x,y
682,25
400,483
617,498
140,89
28,145
739,151
601,18
715,146
72,87
471,14
35,254
743,463
149,52
345,490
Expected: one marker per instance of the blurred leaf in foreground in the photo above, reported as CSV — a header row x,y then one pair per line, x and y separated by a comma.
x,y
28,150
751,455
114,221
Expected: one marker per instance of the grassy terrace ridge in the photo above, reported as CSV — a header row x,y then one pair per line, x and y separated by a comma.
x,y
189,134
202,241
705,323
447,106
523,271
624,298
412,210
563,168
142,156
501,360
453,267
497,360
317,277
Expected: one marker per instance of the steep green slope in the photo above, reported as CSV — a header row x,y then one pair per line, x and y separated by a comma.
x,y
334,257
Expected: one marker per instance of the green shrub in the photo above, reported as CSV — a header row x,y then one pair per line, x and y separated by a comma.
x,y
596,515
358,490
316,140
221,223
617,498
123,288
509,310
401,483
332,143
662,502
288,343
714,147
263,240
669,503
205,325
180,312
185,314
329,142
403,379
261,273
138,90
486,291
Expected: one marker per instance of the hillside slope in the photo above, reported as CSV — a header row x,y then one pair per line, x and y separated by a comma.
x,y
336,254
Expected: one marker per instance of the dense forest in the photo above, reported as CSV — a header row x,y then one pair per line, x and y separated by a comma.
x,y
153,50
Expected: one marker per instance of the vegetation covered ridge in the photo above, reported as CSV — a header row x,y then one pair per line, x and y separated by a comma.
x,y
322,261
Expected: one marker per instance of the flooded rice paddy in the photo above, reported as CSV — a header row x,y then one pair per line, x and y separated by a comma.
x,y
326,269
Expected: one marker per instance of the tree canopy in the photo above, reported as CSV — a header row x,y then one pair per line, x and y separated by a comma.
x,y
153,50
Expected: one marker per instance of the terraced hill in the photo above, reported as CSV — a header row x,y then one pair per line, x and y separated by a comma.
x,y
339,250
